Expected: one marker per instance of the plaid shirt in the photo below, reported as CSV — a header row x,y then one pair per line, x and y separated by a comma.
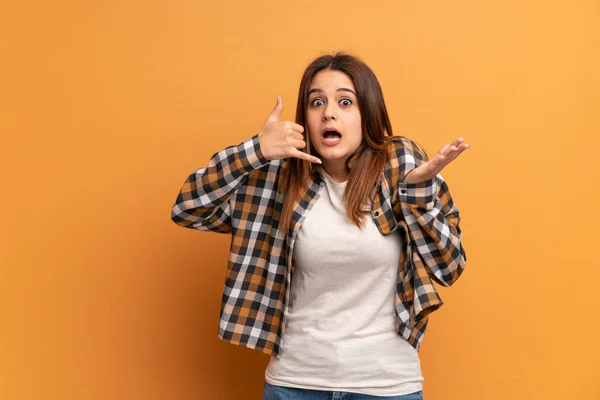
x,y
237,193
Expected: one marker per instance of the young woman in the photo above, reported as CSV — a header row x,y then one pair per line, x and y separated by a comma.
x,y
339,230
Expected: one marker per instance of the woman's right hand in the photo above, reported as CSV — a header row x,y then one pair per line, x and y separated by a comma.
x,y
282,139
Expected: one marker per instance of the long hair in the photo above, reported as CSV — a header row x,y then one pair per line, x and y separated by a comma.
x,y
366,163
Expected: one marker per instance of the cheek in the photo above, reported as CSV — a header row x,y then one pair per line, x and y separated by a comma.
x,y
313,126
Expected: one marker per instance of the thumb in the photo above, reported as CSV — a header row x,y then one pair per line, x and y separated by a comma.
x,y
274,116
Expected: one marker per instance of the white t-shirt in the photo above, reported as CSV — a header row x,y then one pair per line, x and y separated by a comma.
x,y
341,333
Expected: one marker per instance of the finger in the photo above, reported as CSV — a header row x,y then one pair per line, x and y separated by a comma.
x,y
455,148
299,144
297,135
305,156
274,116
455,152
294,126
460,148
444,149
457,142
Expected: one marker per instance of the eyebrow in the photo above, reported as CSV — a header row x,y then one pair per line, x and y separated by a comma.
x,y
339,90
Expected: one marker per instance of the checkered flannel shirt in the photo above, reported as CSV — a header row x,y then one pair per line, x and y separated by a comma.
x,y
237,194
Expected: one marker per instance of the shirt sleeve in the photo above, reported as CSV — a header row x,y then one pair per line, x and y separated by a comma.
x,y
202,202
432,218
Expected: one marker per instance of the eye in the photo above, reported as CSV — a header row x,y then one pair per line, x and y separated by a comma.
x,y
346,102
316,103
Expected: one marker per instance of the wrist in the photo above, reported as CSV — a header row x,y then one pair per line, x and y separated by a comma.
x,y
410,178
262,146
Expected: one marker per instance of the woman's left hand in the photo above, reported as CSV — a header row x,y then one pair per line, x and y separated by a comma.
x,y
429,169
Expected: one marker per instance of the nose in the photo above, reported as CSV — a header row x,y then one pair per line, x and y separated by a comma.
x,y
328,113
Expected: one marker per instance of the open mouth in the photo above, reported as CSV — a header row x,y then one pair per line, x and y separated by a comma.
x,y
331,136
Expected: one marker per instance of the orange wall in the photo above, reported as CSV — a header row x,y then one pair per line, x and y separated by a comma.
x,y
106,107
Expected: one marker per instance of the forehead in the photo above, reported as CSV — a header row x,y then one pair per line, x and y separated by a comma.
x,y
331,80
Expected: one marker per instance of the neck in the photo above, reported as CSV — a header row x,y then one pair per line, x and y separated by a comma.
x,y
336,170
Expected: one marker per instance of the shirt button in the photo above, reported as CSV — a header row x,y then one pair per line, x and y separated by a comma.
x,y
377,213
403,191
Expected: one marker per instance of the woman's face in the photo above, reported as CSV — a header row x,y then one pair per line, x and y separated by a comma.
x,y
333,117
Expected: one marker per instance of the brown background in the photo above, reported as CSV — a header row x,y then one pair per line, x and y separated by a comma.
x,y
106,107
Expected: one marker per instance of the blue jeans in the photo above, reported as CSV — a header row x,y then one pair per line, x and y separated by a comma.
x,y
272,392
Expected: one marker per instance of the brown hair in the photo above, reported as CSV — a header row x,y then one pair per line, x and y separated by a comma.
x,y
366,163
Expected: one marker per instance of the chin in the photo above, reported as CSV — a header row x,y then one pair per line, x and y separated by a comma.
x,y
333,154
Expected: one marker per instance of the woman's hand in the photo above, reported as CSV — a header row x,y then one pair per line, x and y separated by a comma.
x,y
282,139
429,169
